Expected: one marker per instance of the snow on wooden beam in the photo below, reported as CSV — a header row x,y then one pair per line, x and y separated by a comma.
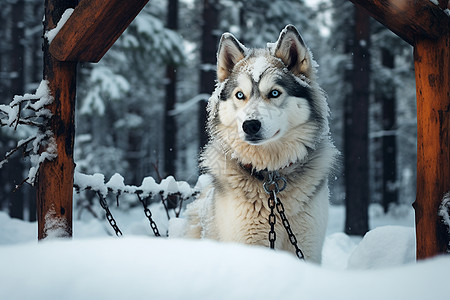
x,y
410,18
93,28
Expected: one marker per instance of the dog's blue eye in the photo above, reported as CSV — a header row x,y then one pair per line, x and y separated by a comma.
x,y
240,95
274,94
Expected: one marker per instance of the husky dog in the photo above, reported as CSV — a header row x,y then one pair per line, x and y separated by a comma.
x,y
267,114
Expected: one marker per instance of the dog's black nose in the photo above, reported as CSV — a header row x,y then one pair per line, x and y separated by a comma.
x,y
251,127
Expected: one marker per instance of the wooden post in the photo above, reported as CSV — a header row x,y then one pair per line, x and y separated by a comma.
x,y
90,31
426,26
432,65
55,178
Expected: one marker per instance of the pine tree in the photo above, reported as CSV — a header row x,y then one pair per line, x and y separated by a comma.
x,y
348,87
170,127
393,75
356,150
208,60
121,102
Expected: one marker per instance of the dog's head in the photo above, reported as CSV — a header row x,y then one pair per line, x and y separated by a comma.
x,y
267,102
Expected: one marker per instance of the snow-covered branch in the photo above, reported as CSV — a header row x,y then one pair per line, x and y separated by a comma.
x,y
185,106
30,110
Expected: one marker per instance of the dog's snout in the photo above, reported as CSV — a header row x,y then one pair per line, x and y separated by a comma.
x,y
251,127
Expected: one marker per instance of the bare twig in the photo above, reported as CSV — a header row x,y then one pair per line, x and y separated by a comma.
x,y
18,186
22,145
18,116
155,166
180,206
163,201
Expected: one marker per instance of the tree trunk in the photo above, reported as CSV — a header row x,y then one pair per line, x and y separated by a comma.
x,y
55,178
432,67
356,131
36,44
208,60
17,58
389,149
170,126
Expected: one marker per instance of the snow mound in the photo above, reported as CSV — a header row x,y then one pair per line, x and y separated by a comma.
x,y
14,231
383,247
157,268
337,249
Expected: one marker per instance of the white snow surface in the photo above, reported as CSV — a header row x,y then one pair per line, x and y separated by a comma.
x,y
138,266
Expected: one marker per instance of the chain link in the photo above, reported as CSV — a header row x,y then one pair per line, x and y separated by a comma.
x,y
272,188
108,214
271,184
287,226
272,220
148,214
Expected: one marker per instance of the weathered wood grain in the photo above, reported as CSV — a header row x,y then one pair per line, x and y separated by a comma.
x,y
409,19
432,65
93,28
54,184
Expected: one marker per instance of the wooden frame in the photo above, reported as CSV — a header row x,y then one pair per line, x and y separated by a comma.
x,y
95,25
426,27
93,28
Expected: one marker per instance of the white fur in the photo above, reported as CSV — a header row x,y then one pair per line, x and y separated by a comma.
x,y
234,207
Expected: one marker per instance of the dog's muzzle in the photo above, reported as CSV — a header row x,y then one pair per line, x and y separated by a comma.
x,y
252,130
251,127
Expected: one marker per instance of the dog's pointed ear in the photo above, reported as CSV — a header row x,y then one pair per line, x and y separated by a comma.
x,y
292,50
231,51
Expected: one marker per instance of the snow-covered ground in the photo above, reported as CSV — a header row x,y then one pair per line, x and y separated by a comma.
x,y
95,265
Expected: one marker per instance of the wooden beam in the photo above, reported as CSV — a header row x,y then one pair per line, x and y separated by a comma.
x,y
54,184
432,65
93,28
409,18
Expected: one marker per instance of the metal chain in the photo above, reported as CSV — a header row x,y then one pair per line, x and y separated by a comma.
x,y
272,188
287,226
109,216
272,220
148,214
271,184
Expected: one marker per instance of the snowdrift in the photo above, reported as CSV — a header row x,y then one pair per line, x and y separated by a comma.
x,y
159,268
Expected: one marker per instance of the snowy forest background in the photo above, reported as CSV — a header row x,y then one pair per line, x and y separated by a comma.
x,y
140,110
